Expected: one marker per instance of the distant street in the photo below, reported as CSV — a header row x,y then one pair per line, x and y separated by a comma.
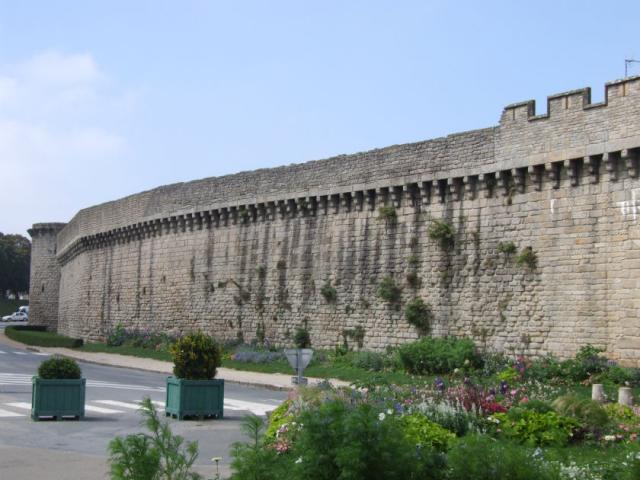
x,y
112,401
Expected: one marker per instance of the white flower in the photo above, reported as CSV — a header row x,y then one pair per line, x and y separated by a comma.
x,y
299,460
381,417
390,412
609,438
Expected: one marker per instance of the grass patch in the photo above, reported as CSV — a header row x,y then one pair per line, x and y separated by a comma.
x,y
7,306
127,350
37,337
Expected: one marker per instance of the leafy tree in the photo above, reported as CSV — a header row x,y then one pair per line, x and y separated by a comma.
x,y
15,259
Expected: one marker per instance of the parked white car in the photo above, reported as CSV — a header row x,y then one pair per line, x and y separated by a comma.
x,y
16,317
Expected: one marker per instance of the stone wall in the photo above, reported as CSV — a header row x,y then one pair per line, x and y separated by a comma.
x,y
233,253
44,284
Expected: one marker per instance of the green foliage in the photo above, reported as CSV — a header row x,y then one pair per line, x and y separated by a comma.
x,y
454,418
329,293
419,314
40,338
339,442
508,248
253,460
508,375
534,428
261,270
371,361
424,433
539,406
442,232
59,368
389,291
527,258
438,355
413,279
260,333
117,336
387,212
9,306
482,458
196,357
160,455
618,375
277,418
15,260
620,413
413,260
302,338
588,412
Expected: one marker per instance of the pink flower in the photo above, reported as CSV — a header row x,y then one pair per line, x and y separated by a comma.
x,y
524,400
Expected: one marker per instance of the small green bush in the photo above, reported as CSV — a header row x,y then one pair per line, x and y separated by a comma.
x,y
196,357
426,434
527,258
534,428
302,338
389,291
413,279
482,458
539,406
442,232
329,292
387,212
588,412
508,248
117,336
419,314
438,355
618,375
59,368
371,361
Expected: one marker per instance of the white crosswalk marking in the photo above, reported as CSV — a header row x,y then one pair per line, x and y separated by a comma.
x,y
42,354
21,353
2,353
91,408
116,403
253,407
7,413
23,405
22,379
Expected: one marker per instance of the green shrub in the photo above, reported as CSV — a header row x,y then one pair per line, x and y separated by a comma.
x,y
371,361
587,362
387,212
454,418
588,412
302,338
539,406
255,460
618,375
413,279
389,291
329,293
438,355
419,314
508,375
196,357
117,336
426,434
359,443
508,248
442,232
160,454
534,428
277,419
482,458
39,337
527,258
59,368
620,413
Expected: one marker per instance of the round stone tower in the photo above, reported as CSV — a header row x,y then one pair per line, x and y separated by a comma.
x,y
44,285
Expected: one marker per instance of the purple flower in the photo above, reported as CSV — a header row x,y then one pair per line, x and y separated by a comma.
x,y
504,387
439,382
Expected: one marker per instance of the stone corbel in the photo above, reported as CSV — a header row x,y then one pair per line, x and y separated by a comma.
x,y
261,212
518,175
592,162
224,216
485,184
425,193
312,206
252,212
215,217
454,188
409,194
345,201
233,215
469,187
371,199
535,175
553,174
189,221
323,202
381,196
573,172
282,209
503,182
359,200
395,194
442,188
271,211
630,161
611,165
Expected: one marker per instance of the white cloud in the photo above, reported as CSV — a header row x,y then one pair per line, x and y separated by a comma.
x,y
58,136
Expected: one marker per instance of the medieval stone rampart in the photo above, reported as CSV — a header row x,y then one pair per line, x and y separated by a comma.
x,y
235,254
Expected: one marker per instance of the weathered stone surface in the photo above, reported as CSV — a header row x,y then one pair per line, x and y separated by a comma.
x,y
228,254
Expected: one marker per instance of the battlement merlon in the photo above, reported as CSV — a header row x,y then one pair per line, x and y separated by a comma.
x,y
572,100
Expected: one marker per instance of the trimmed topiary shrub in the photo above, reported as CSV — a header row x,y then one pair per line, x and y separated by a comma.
x,y
438,355
196,357
59,368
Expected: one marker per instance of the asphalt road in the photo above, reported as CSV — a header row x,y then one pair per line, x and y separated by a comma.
x,y
69,449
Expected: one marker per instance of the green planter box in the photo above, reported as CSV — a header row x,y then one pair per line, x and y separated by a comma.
x,y
57,398
194,398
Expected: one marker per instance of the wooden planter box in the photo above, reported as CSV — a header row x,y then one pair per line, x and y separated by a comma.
x,y
194,398
57,398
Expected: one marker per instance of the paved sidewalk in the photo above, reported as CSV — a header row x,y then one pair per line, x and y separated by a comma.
x,y
277,381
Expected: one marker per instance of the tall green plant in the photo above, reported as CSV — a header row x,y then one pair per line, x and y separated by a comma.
x,y
196,357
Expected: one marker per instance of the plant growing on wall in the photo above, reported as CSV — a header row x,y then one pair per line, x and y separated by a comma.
x,y
413,279
527,258
302,338
328,292
418,313
387,212
508,248
389,291
442,232
261,270
281,265
413,260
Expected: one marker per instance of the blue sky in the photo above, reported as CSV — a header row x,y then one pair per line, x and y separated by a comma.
x,y
99,100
